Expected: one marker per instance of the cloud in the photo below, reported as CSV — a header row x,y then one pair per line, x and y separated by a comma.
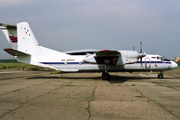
x,y
98,24
13,3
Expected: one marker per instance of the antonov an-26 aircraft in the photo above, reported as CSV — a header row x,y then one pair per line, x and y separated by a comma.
x,y
25,48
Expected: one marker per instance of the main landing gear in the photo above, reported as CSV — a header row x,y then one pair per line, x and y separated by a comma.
x,y
161,76
106,75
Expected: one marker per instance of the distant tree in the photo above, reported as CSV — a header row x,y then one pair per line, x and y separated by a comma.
x,y
178,63
8,61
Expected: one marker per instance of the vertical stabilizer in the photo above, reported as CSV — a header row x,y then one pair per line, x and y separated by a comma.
x,y
26,40
22,39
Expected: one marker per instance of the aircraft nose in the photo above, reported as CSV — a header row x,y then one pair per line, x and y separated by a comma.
x,y
174,65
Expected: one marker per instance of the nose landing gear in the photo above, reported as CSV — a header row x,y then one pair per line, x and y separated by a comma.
x,y
161,76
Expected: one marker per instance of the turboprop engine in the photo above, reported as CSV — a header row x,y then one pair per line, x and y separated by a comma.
x,y
114,57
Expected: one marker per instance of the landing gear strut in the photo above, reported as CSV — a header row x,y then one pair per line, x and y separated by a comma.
x,y
105,75
161,76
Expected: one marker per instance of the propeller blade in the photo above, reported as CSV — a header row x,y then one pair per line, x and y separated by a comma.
x,y
140,46
141,52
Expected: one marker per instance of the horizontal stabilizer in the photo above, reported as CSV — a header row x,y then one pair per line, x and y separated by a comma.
x,y
15,52
8,26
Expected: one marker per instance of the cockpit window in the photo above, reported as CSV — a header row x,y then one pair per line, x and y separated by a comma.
x,y
158,57
164,59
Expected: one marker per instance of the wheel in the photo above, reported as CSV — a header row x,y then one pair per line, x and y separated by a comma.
x,y
160,76
106,76
103,74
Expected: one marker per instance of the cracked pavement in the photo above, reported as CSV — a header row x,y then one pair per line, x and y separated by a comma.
x,y
84,96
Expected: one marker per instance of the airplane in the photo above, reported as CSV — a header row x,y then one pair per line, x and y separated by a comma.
x,y
26,49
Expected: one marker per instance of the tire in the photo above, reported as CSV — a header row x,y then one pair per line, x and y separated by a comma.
x,y
160,76
106,76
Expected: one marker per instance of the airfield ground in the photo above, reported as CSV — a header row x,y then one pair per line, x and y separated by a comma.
x,y
39,95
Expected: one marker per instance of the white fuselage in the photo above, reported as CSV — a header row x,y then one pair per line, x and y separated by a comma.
x,y
75,63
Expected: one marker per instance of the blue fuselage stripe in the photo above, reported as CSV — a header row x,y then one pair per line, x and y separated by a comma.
x,y
155,62
64,63
61,63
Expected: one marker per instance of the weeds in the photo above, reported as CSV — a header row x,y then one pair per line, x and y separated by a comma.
x,y
20,66
56,72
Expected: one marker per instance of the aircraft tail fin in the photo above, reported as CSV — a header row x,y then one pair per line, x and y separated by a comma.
x,y
27,42
22,39
25,47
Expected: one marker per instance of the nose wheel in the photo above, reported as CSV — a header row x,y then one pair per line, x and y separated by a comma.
x,y
161,76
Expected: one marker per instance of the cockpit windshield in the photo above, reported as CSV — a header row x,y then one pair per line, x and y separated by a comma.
x,y
164,59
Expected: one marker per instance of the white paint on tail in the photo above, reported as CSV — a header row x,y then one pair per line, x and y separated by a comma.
x,y
27,42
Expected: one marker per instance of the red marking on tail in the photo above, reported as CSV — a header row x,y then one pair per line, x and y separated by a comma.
x,y
13,39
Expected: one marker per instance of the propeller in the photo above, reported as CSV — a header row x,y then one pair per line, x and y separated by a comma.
x,y
141,55
140,46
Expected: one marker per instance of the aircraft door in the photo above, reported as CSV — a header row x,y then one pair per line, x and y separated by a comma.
x,y
147,64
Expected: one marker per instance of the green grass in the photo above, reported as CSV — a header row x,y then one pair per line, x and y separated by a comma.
x,y
56,72
178,68
20,66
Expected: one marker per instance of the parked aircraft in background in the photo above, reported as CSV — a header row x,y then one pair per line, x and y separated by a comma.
x,y
26,49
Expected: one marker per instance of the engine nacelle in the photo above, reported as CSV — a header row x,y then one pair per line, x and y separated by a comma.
x,y
128,57
122,58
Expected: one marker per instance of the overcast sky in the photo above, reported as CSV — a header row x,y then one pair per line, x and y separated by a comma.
x,y
66,25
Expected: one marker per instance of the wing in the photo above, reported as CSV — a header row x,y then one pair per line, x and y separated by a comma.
x,y
108,57
82,52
